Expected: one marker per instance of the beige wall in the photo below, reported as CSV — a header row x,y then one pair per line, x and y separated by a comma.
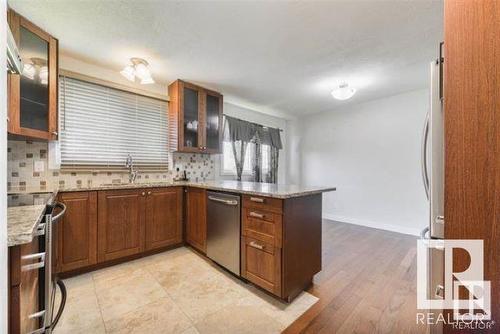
x,y
69,63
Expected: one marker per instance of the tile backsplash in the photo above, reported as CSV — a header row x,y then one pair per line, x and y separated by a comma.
x,y
22,155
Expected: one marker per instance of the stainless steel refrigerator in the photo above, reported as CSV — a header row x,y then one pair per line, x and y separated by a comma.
x,y
433,178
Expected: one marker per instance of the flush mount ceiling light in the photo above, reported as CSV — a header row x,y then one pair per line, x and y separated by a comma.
x,y
138,68
343,92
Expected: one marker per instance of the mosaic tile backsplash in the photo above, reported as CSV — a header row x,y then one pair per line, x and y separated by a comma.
x,y
22,156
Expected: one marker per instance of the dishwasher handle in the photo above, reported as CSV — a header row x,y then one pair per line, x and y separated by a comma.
x,y
224,201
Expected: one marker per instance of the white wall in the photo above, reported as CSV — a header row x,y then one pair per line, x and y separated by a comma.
x,y
3,171
266,120
371,152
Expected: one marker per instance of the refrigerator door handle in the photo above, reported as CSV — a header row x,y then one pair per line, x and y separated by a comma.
x,y
423,160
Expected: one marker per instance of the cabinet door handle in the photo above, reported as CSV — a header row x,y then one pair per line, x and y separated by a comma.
x,y
149,192
256,245
55,133
143,193
256,215
257,199
33,266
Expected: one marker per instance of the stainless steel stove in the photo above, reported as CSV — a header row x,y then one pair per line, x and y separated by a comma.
x,y
48,282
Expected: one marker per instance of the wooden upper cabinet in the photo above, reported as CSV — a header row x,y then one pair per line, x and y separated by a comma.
x,y
120,223
77,231
163,217
196,113
33,94
196,218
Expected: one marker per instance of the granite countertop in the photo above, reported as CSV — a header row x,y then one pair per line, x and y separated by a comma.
x,y
281,191
22,222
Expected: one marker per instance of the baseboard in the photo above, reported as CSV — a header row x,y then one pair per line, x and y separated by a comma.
x,y
372,224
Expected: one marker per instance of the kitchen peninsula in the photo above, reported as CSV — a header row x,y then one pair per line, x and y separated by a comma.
x,y
112,223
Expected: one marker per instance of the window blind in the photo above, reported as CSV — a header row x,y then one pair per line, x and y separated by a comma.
x,y
101,126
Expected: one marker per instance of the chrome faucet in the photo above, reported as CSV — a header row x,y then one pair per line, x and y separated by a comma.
x,y
132,174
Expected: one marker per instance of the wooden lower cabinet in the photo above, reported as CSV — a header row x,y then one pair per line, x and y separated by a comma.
x,y
121,223
196,218
23,290
107,225
281,243
163,217
261,264
77,231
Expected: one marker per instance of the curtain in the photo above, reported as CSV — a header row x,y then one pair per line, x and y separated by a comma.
x,y
240,134
239,150
257,162
272,175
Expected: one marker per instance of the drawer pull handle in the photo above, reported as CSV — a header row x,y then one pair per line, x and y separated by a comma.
x,y
40,314
33,266
256,245
257,199
256,215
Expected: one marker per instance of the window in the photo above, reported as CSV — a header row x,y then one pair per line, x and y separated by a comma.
x,y
229,167
101,126
228,159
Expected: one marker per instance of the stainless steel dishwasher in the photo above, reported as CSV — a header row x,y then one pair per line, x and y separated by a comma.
x,y
223,230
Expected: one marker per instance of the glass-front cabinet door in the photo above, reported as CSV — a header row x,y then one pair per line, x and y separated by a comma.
x,y
33,93
195,116
191,134
213,122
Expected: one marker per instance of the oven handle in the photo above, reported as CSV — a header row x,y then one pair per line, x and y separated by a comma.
x,y
64,293
61,206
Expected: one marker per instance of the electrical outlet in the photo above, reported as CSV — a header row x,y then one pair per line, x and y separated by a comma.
x,y
39,166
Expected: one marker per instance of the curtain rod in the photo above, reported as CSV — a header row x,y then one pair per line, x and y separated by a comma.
x,y
281,130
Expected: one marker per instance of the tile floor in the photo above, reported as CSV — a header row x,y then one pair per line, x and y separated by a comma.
x,y
173,292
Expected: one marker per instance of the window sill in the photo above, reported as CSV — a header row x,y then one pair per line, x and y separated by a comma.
x,y
231,173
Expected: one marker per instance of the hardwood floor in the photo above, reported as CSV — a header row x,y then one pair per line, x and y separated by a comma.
x,y
367,283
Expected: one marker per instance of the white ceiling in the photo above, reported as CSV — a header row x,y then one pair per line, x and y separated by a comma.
x,y
276,57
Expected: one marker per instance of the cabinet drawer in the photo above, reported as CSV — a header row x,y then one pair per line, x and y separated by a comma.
x,y
261,264
263,203
263,225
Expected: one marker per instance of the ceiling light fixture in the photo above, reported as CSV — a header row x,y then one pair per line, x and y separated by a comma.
x,y
140,69
343,92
